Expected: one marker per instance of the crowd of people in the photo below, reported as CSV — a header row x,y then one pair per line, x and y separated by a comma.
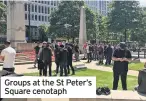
x,y
63,54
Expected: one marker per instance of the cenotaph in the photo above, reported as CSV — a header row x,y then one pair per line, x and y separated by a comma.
x,y
15,22
82,33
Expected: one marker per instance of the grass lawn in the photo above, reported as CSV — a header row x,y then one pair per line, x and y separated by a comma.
x,y
132,66
102,78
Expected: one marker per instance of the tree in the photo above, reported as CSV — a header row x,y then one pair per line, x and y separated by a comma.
x,y
2,18
69,13
124,16
43,32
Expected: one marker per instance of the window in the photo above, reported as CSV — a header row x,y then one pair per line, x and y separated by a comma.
x,y
42,18
32,8
36,17
51,9
54,3
39,1
46,18
51,2
32,17
39,9
45,10
25,16
35,8
25,7
48,2
35,0
39,18
42,9
48,10
42,2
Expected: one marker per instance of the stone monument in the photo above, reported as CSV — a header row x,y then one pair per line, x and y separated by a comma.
x,y
82,33
15,22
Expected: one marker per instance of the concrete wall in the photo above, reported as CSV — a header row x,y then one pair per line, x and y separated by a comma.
x,y
25,46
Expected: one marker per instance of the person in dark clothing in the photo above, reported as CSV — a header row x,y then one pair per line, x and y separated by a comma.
x,y
69,60
109,52
46,57
63,60
36,48
101,54
121,58
77,52
56,52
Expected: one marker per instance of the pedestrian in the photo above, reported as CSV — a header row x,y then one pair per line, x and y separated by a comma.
x,y
63,60
8,56
46,57
101,55
56,53
89,53
77,52
69,59
36,48
95,52
121,58
109,52
85,51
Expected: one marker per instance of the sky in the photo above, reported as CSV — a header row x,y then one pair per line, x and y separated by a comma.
x,y
142,2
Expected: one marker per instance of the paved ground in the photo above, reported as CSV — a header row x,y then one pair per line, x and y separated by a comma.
x,y
28,68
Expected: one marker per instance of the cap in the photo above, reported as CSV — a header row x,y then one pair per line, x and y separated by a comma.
x,y
44,42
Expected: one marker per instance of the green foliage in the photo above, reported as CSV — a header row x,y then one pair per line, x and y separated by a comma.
x,y
44,31
124,16
2,18
69,13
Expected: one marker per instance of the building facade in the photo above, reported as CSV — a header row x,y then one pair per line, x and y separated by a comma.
x,y
39,13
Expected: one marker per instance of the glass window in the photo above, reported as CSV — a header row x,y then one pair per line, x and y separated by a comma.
x,y
36,17
42,18
25,16
45,10
42,2
39,1
51,2
32,8
48,2
35,0
52,9
42,9
46,18
48,10
25,7
54,3
39,18
39,9
36,8
32,17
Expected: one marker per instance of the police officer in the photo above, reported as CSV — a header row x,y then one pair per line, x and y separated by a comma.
x,y
63,60
121,58
109,52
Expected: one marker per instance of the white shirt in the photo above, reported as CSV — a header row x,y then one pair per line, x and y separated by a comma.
x,y
9,57
87,48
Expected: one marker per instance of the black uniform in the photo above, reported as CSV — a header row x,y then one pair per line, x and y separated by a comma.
x,y
57,59
120,68
109,52
46,59
69,60
63,61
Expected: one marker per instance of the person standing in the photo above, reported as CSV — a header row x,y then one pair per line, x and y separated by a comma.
x,y
63,60
109,52
56,52
77,52
8,56
121,58
89,53
101,54
36,48
69,60
46,57
85,51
